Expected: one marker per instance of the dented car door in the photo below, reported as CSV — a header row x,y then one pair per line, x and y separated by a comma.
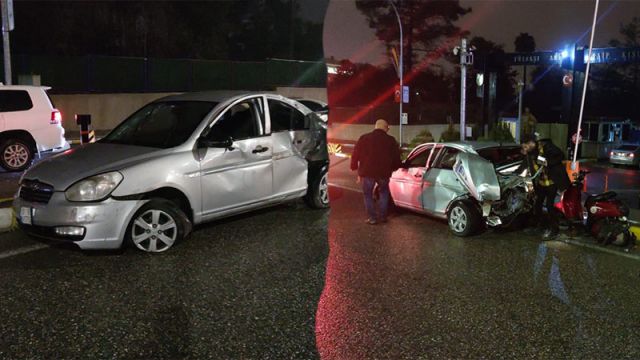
x,y
406,184
239,176
292,140
440,183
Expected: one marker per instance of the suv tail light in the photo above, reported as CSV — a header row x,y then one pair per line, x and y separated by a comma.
x,y
56,117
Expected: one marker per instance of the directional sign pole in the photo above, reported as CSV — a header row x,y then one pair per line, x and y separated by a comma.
x,y
584,88
7,15
400,67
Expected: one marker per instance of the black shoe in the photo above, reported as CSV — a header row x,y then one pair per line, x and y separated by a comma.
x,y
371,221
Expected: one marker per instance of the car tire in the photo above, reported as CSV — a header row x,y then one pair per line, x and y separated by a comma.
x,y
15,155
317,196
157,226
463,219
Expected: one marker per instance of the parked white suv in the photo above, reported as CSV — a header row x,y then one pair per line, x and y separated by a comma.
x,y
29,125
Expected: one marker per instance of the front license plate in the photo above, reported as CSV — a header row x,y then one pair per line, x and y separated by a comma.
x,y
25,215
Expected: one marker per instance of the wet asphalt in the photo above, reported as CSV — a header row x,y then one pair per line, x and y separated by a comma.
x,y
276,284
410,290
242,288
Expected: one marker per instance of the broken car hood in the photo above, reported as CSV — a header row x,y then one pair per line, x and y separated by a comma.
x,y
477,175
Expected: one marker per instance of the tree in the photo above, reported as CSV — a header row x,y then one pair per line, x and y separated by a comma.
x,y
525,43
425,23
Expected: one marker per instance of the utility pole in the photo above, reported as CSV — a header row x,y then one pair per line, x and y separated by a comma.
x,y
400,69
466,58
519,122
7,25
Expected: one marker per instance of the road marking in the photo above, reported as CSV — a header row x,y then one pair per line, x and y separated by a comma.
x,y
345,187
20,251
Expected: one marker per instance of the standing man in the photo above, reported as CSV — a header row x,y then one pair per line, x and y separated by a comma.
x,y
552,179
376,156
529,123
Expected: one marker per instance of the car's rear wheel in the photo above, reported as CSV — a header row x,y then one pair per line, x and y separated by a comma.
x,y
318,193
157,226
463,219
15,155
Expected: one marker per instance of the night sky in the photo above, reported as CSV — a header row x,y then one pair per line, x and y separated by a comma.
x,y
553,24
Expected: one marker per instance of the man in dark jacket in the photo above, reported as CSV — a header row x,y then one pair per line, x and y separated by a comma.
x,y
376,156
552,179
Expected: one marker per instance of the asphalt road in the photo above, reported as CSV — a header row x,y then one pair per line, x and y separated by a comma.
x,y
246,287
410,290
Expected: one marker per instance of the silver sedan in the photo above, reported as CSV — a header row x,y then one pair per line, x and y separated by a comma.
x,y
179,161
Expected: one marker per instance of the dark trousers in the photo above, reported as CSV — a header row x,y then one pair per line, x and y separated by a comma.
x,y
546,196
368,184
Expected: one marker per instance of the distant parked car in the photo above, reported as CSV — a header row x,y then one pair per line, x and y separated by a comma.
x,y
29,124
179,161
625,155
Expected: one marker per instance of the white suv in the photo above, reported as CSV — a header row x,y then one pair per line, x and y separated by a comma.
x,y
29,124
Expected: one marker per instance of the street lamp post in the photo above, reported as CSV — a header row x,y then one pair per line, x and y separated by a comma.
x,y
400,69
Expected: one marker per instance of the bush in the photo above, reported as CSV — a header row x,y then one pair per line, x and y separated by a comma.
x,y
499,133
450,134
423,137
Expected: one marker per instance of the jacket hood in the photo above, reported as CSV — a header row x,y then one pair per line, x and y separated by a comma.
x,y
63,170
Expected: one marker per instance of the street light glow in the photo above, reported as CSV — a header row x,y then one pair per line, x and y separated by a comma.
x,y
565,54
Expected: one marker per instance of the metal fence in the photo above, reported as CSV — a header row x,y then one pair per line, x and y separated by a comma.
x,y
106,74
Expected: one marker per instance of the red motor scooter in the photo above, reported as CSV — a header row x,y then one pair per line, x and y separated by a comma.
x,y
604,215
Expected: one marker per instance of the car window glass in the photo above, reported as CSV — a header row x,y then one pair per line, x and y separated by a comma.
x,y
161,124
15,100
447,158
420,158
285,117
313,106
434,155
238,122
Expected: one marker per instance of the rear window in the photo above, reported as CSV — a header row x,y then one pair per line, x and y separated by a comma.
x,y
628,147
501,156
15,100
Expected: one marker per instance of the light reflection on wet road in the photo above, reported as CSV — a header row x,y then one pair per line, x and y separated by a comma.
x,y
408,289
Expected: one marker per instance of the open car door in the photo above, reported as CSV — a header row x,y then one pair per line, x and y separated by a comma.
x,y
478,176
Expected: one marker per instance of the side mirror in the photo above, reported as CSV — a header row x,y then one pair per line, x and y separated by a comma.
x,y
222,144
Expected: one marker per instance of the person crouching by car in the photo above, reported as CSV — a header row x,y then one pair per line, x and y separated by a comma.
x,y
552,179
375,156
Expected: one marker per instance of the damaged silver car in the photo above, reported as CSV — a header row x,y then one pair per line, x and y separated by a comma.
x,y
471,184
179,161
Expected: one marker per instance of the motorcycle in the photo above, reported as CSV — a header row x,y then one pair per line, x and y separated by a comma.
x,y
603,215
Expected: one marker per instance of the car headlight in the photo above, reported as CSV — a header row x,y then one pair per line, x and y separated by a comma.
x,y
94,188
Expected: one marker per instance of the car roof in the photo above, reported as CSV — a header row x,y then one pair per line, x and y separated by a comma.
x,y
23,87
472,145
213,96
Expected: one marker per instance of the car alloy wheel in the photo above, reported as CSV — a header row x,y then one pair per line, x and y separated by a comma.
x,y
323,189
16,155
458,220
154,231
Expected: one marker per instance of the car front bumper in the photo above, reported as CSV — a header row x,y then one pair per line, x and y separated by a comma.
x,y
105,222
620,160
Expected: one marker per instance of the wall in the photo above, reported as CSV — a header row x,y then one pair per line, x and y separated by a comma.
x,y
108,110
338,131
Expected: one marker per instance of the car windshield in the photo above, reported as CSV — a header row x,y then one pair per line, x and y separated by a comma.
x,y
628,147
161,124
501,156
312,105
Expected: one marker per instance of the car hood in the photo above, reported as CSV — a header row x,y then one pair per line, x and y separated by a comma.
x,y
478,175
63,170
